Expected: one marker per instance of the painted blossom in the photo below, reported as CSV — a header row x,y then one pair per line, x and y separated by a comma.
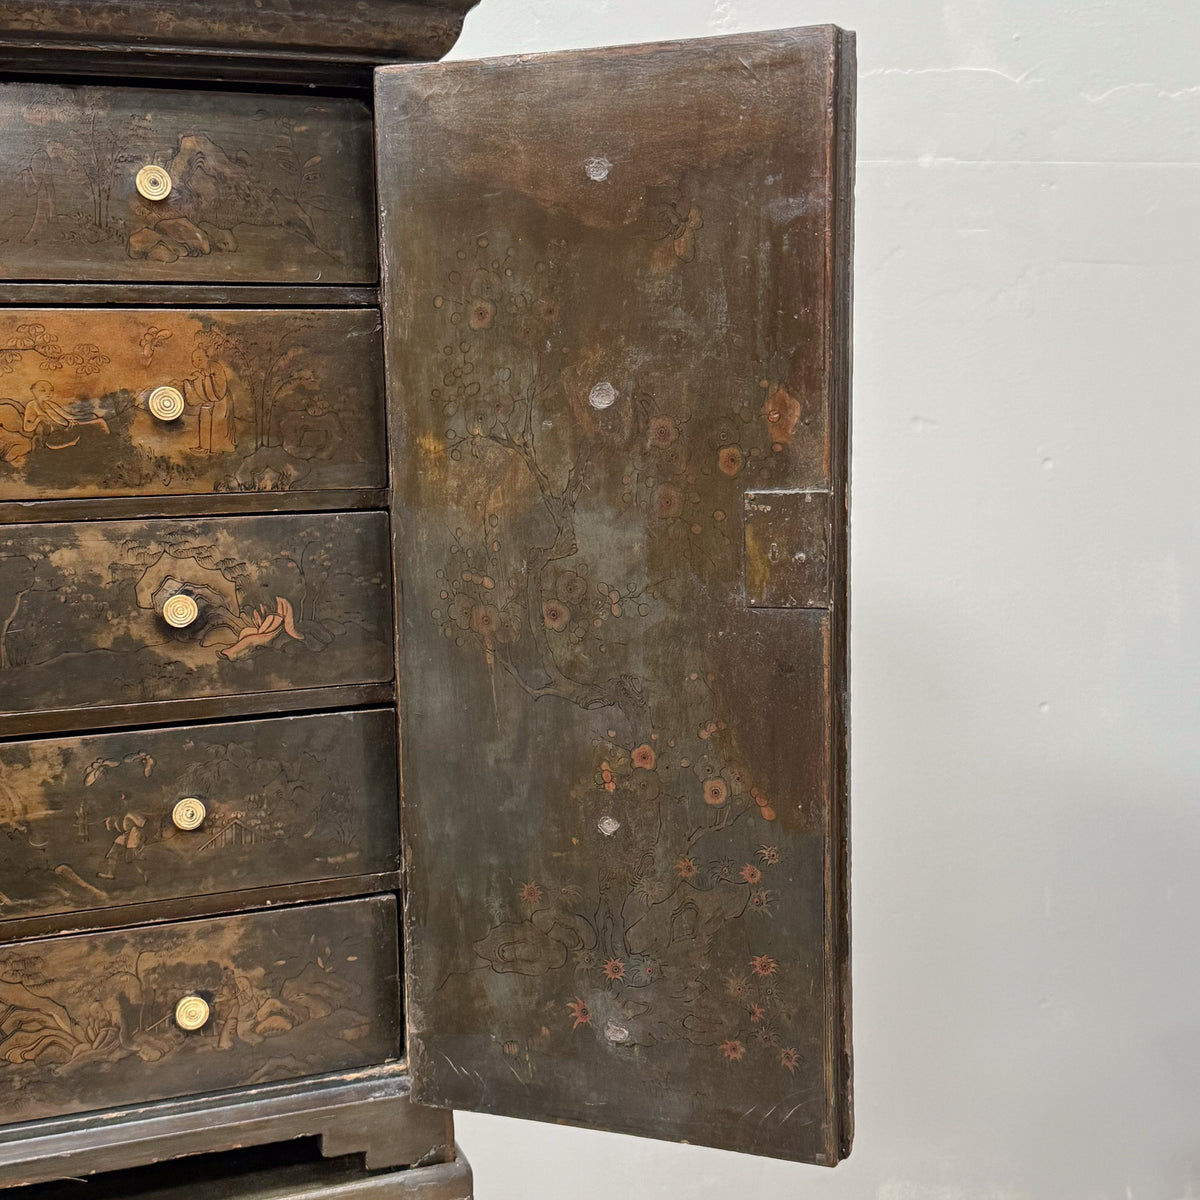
x,y
580,1012
730,460
686,867
644,757
557,616
482,312
663,431
733,1050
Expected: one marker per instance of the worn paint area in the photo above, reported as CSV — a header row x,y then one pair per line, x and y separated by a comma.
x,y
267,402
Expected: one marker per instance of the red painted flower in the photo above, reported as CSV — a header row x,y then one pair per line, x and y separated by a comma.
x,y
716,792
763,965
733,1050
644,757
686,867
571,587
730,460
580,1012
750,873
663,431
530,894
614,968
789,1059
557,616
485,619
757,1012
667,501
482,312
769,855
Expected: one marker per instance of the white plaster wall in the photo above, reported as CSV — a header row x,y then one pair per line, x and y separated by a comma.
x,y
1026,643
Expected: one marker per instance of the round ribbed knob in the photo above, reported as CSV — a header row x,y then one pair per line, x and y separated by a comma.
x,y
189,813
153,183
180,611
166,403
192,1013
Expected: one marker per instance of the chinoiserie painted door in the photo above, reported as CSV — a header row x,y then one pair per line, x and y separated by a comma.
x,y
617,305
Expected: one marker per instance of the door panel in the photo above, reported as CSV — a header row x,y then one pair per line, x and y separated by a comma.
x,y
617,307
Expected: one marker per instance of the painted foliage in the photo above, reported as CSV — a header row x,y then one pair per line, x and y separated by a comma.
x,y
622,318
88,1021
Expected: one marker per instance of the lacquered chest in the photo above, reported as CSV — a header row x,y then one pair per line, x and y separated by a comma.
x,y
423,613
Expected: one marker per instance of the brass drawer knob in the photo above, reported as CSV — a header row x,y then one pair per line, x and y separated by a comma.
x,y
192,1013
153,183
180,611
166,403
189,813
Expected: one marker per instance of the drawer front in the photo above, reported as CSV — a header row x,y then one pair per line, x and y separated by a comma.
x,y
94,822
280,602
263,189
88,1022
111,402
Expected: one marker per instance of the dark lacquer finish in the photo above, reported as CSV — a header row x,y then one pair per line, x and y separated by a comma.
x,y
360,33
296,601
264,188
88,820
272,402
617,318
88,1022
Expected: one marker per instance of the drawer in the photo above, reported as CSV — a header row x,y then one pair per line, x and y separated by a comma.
x,y
94,822
151,402
89,1021
275,603
263,189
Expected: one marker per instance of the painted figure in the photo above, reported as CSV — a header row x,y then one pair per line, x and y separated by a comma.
x,y
207,391
39,420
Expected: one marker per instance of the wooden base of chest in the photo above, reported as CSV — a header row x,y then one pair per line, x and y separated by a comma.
x,y
366,1114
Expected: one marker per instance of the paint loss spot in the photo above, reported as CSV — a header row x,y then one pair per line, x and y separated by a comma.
x,y
603,395
597,169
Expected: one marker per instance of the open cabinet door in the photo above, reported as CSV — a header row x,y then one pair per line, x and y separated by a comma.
x,y
617,290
